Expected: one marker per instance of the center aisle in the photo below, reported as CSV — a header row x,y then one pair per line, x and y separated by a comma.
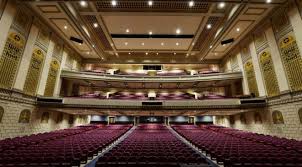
x,y
152,145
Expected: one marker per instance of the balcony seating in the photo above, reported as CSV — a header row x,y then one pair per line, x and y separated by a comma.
x,y
93,96
236,148
172,96
67,150
129,96
151,145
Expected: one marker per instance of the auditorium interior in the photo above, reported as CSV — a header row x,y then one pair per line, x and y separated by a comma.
x,y
150,83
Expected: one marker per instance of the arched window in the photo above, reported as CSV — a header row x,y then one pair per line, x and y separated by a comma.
x,y
257,118
24,116
1,113
242,118
277,117
300,115
70,119
45,117
60,117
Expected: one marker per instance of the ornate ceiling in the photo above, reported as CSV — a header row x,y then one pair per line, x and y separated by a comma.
x,y
164,31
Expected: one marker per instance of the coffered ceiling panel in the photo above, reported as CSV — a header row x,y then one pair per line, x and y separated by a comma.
x,y
156,44
159,24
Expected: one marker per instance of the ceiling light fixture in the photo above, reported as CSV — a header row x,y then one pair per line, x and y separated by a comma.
x,y
174,53
177,44
146,53
238,29
150,3
129,53
221,5
95,25
127,30
156,53
162,44
268,1
211,47
65,27
143,43
93,46
191,3
83,3
150,32
209,26
178,31
113,3
126,43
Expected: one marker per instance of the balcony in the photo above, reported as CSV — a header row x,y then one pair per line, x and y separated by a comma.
x,y
131,78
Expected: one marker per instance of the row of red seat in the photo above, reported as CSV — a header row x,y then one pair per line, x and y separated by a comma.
x,y
229,147
289,144
71,150
151,145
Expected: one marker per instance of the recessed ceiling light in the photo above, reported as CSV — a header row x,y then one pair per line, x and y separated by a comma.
x,y
111,44
187,54
143,43
238,29
268,1
93,46
65,27
177,43
95,25
191,3
150,32
174,53
150,3
113,3
221,5
127,30
178,31
83,3
129,53
193,43
162,44
211,47
156,53
223,45
215,54
146,53
209,26
126,43
88,52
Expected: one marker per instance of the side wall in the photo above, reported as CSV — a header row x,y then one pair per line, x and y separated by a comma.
x,y
265,122
11,126
270,58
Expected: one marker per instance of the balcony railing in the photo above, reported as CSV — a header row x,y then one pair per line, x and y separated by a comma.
x,y
132,78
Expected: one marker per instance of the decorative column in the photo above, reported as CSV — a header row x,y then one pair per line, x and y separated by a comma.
x,y
245,86
6,22
45,69
258,74
26,58
59,80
